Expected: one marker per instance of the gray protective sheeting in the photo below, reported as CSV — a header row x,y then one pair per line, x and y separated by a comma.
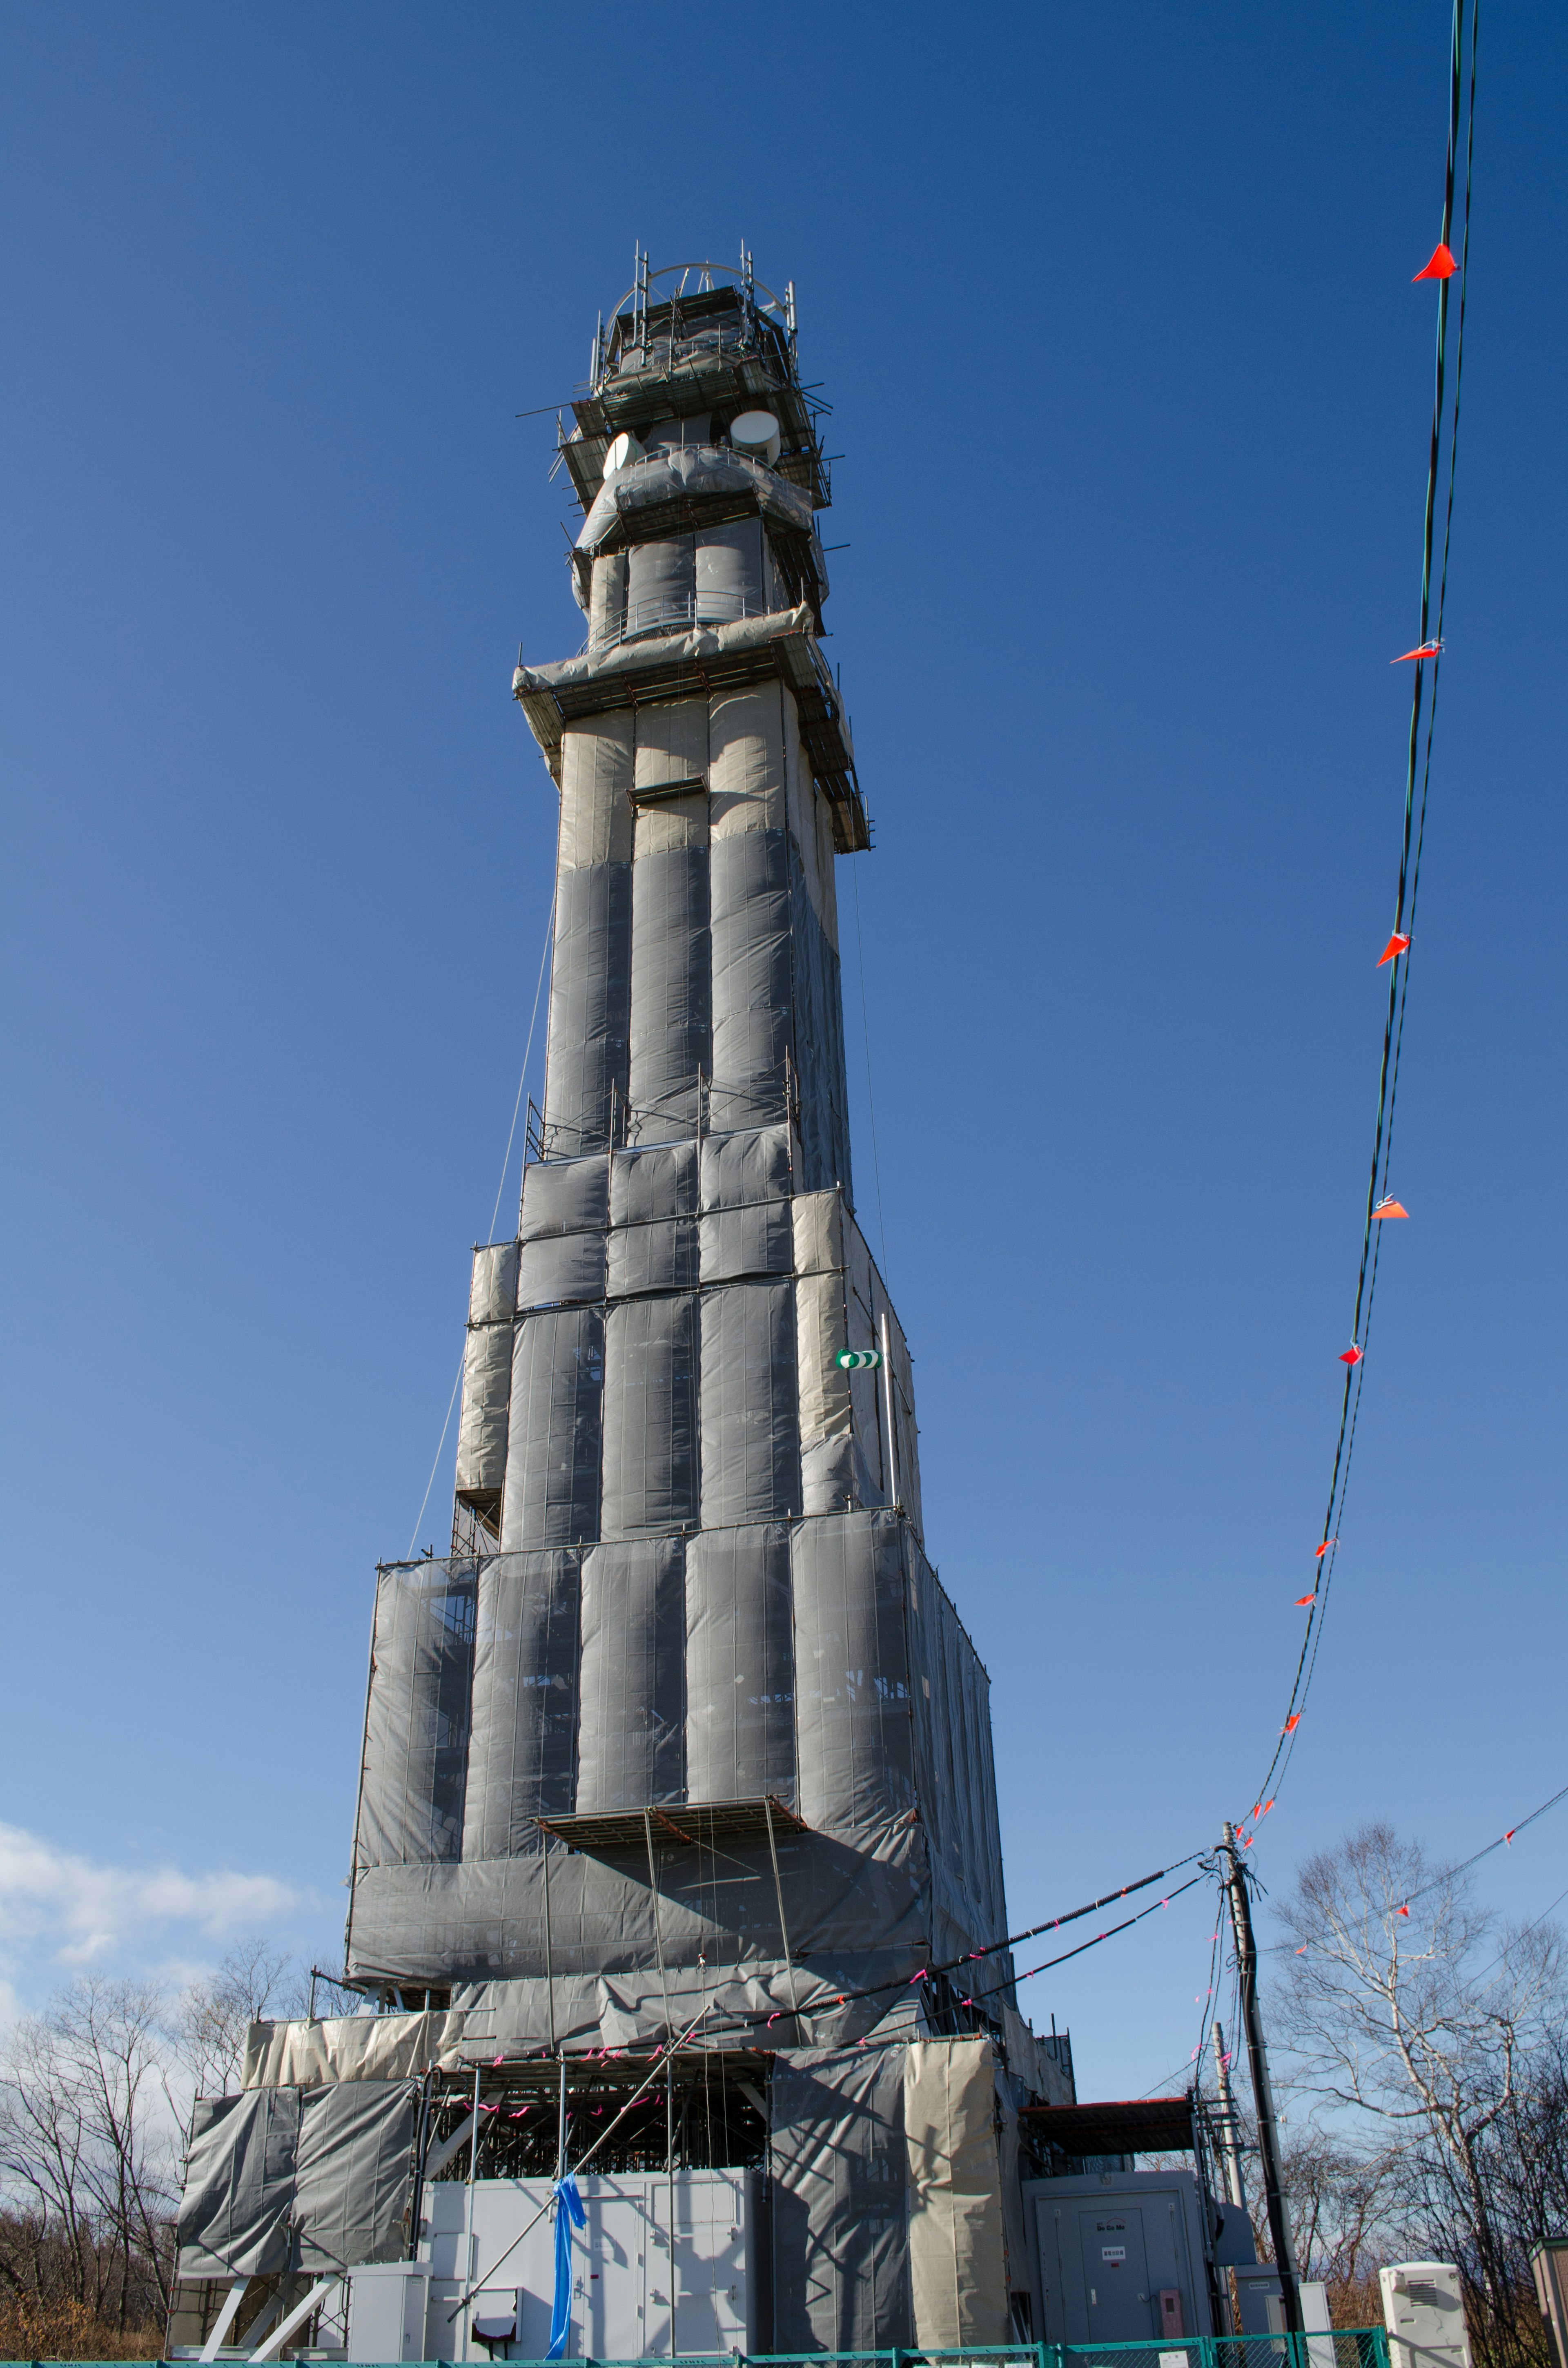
x,y
673,1681
488,1395
659,1254
552,1453
281,2180
565,1196
751,1453
740,1673
750,919
650,1417
561,1268
853,1706
415,1763
629,1749
671,970
523,1750
590,1005
838,2164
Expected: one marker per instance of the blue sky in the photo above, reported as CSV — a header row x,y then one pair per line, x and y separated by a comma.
x,y
1131,388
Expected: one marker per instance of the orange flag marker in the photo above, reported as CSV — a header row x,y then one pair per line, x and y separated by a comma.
x,y
1427,650
1302,1600
1390,1208
1324,1548
1442,267
1351,1356
1292,1723
1394,948
1402,1911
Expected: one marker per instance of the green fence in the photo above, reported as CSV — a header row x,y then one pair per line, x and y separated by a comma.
x,y
1343,2346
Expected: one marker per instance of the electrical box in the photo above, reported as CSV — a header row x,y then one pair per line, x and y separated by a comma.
x,y
387,2308
1260,2300
1424,2311
489,2253
1120,2257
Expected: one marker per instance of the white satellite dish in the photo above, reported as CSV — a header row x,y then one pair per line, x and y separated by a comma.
x,y
756,434
621,454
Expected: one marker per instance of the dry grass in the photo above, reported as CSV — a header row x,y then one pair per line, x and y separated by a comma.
x,y
68,2331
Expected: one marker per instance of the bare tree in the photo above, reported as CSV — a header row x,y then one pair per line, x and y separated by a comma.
x,y
1418,2013
210,2023
87,2149
94,2096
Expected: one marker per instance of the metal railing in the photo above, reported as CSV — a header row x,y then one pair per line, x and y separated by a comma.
x,y
664,615
1341,2347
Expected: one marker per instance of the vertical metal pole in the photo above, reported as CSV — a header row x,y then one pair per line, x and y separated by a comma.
x,y
1263,2094
886,1392
779,1896
560,2122
549,1953
1230,2148
658,1940
474,2145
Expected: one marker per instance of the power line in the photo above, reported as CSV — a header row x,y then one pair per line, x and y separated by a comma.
x,y
1445,431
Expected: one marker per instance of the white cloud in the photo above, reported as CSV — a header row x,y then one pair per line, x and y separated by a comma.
x,y
79,1911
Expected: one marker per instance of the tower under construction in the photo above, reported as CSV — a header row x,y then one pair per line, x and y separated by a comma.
x,y
675,1870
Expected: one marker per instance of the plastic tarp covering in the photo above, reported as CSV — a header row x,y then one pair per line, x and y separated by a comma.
x,y
650,1417
752,1241
552,1451
958,2269
607,598
672,746
660,583
818,1221
629,1749
300,2054
560,1269
831,1477
852,1691
310,2179
660,1254
523,1749
487,1394
415,1763
565,1196
750,920
653,1182
889,1710
671,1029
838,2164
239,2185
740,1672
955,1775
696,472
745,777
596,791
493,1286
729,571
819,1043
353,2173
623,2009
740,1168
590,1002
750,1454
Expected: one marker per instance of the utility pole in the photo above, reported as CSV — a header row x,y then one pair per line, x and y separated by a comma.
x,y
1230,2143
1263,2095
